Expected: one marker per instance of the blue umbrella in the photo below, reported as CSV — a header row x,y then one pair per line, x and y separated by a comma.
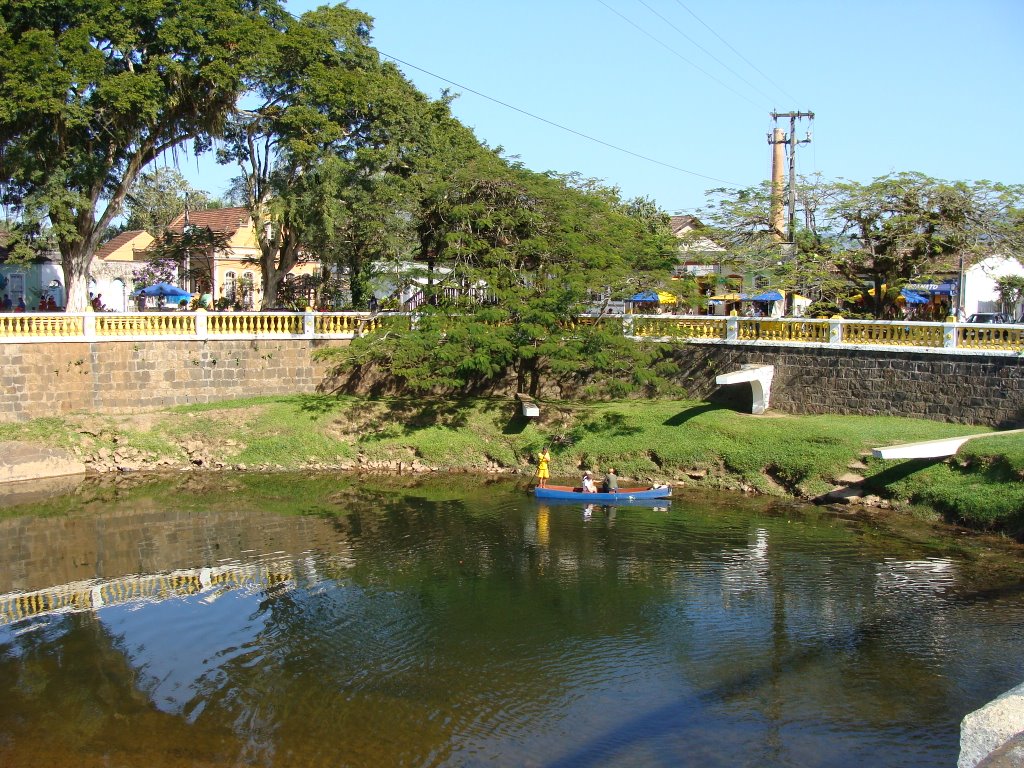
x,y
644,296
166,290
913,298
768,296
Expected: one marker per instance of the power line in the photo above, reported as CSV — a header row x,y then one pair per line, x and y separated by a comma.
x,y
749,63
556,125
701,47
671,50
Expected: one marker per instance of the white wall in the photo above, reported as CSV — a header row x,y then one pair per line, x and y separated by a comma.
x,y
980,292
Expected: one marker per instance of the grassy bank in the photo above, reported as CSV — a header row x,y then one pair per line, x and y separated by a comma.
x,y
665,441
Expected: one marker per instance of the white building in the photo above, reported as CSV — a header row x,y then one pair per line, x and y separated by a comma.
x,y
981,294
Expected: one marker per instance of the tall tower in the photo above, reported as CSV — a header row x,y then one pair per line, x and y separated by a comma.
x,y
778,140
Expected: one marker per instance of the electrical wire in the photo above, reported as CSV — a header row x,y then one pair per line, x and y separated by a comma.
x,y
705,50
749,63
673,51
554,124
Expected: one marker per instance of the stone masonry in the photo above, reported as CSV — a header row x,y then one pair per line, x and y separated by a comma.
x,y
109,377
50,379
960,388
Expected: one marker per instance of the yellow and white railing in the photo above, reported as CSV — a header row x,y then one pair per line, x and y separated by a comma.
x,y
29,327
830,332
35,327
156,587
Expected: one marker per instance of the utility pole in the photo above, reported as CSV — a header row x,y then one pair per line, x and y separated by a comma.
x,y
778,139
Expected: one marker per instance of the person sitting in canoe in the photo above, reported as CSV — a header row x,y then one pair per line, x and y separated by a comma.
x,y
588,483
543,459
610,484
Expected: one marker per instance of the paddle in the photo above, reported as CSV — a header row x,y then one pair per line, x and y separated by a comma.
x,y
530,482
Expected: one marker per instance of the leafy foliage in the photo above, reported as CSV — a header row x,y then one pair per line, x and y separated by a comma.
x,y
93,92
898,228
1011,291
158,197
325,152
522,252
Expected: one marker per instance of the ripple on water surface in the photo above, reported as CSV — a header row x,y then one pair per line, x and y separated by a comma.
x,y
449,628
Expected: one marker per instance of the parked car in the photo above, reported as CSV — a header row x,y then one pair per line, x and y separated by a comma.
x,y
989,317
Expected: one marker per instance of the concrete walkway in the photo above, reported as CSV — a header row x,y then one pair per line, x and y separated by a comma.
x,y
933,449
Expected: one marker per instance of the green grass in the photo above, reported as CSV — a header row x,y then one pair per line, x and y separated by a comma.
x,y
51,430
647,441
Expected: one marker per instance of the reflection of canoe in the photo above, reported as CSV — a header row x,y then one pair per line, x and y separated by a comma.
x,y
623,496
622,501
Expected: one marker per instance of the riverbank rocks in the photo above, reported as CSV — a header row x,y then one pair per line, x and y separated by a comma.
x,y
986,734
27,461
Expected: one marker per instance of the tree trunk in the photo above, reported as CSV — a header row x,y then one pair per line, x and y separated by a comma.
x,y
271,282
279,256
879,308
534,382
76,279
533,371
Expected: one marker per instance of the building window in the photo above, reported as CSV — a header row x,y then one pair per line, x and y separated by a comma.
x,y
16,286
246,289
230,286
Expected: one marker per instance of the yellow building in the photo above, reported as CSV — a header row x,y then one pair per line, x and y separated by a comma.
x,y
233,273
229,275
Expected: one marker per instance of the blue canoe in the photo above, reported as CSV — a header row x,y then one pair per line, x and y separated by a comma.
x,y
565,492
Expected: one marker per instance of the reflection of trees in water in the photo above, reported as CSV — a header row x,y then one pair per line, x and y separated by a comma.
x,y
803,636
69,697
458,624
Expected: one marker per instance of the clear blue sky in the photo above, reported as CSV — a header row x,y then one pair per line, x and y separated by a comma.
x,y
895,85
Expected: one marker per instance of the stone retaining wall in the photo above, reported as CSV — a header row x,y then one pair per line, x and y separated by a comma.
x,y
962,388
109,377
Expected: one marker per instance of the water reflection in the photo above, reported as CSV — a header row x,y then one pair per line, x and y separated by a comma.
x,y
433,624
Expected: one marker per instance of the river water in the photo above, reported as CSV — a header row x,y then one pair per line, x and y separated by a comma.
x,y
273,620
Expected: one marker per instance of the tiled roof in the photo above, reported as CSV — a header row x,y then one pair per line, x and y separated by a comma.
x,y
678,223
225,221
117,241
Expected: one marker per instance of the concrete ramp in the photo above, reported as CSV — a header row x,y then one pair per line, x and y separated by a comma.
x,y
933,449
760,379
27,461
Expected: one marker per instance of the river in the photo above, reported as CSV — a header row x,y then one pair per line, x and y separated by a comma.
x,y
279,621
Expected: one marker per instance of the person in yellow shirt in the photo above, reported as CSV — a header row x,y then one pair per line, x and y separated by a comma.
x,y
543,459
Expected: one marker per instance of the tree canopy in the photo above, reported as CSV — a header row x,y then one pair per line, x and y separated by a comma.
x,y
158,197
522,252
896,229
93,92
325,152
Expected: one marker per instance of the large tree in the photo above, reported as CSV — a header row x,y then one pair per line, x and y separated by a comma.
x,y
739,220
325,147
895,229
93,91
362,205
522,253
158,197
